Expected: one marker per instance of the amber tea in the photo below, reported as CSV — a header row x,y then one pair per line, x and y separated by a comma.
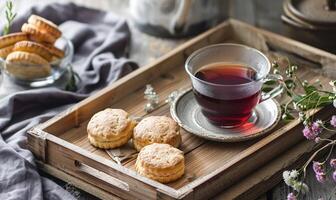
x,y
236,106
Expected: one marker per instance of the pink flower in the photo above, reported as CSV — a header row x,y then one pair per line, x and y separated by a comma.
x,y
291,196
308,133
333,121
319,172
317,167
321,177
316,127
317,139
334,176
333,163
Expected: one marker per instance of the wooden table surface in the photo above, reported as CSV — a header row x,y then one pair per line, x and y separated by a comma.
x,y
146,48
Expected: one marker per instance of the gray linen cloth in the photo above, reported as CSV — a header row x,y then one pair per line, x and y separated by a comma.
x,y
100,40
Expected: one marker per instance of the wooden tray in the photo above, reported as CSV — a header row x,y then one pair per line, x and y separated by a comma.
x,y
61,143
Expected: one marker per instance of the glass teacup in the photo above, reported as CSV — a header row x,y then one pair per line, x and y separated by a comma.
x,y
227,80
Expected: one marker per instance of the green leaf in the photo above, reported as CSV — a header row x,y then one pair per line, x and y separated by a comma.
x,y
266,89
313,100
288,93
270,82
309,89
297,98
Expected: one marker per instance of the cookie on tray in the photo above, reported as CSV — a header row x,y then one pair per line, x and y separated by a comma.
x,y
26,65
110,128
156,129
160,162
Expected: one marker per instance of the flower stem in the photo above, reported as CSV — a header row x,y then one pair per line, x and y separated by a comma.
x,y
318,101
329,154
318,151
308,96
299,80
328,129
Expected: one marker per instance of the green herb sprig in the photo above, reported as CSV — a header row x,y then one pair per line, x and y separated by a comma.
x,y
10,15
304,96
73,79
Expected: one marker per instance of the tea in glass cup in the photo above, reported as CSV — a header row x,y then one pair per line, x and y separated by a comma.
x,y
227,80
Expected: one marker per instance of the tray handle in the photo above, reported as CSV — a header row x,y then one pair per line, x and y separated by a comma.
x,y
101,176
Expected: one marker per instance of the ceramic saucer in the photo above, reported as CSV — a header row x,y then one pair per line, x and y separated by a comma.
x,y
188,115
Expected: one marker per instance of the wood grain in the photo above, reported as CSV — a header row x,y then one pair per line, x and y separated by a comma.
x,y
210,166
292,158
317,190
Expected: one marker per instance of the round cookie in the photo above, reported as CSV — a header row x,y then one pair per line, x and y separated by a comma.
x,y
33,47
36,34
12,38
27,66
45,25
160,162
156,129
110,128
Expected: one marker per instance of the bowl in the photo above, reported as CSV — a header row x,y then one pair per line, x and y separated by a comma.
x,y
22,73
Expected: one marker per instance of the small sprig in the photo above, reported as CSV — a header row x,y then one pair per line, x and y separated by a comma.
x,y
10,15
152,99
304,96
73,79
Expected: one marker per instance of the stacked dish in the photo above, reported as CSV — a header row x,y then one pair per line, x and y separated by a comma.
x,y
311,21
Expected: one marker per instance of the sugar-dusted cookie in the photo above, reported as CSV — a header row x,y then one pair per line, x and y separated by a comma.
x,y
110,128
156,129
45,25
26,65
36,34
5,51
12,38
160,162
33,47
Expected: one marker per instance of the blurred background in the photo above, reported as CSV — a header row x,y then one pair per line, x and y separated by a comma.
x,y
180,18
